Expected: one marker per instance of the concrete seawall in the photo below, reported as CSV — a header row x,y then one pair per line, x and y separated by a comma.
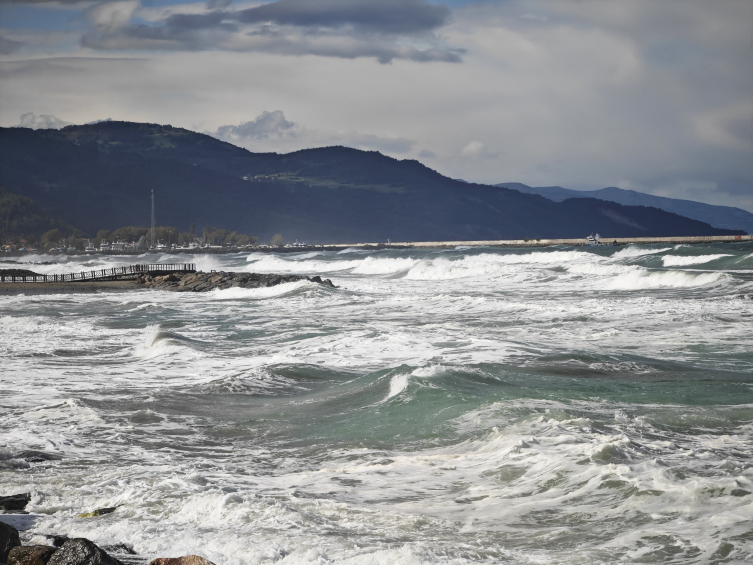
x,y
549,242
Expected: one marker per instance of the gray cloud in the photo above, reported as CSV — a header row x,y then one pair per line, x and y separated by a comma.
x,y
385,16
57,1
9,46
43,121
214,4
397,17
385,30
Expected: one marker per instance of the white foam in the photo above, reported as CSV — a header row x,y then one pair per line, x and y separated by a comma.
x,y
273,264
635,251
638,280
158,342
680,261
237,293
605,270
383,265
429,370
207,263
631,277
398,384
488,264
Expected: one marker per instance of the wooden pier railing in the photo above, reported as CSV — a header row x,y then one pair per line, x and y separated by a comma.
x,y
115,273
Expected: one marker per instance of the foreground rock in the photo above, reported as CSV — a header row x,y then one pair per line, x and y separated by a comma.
x,y
185,560
14,502
203,282
80,551
31,555
8,540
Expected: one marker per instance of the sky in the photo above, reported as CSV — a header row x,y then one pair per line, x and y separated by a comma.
x,y
648,95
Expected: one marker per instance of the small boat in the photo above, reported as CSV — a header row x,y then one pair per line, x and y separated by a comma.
x,y
89,247
593,239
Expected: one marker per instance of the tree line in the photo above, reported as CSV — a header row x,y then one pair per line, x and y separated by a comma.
x,y
25,225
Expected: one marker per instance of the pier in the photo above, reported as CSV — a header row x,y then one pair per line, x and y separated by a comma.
x,y
129,272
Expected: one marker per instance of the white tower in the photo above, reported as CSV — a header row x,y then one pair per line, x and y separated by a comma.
x,y
153,241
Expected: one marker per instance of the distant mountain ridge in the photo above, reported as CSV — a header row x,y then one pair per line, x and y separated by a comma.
x,y
726,217
99,176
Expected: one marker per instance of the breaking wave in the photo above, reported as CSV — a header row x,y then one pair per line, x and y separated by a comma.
x,y
681,261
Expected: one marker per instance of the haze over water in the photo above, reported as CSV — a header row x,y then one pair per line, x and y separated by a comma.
x,y
558,405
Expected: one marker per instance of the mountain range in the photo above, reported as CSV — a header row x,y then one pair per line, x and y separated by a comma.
x,y
727,217
100,176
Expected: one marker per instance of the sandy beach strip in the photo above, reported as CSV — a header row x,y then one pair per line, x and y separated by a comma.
x,y
9,289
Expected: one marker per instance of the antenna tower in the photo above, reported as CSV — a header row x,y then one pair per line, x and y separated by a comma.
x,y
153,245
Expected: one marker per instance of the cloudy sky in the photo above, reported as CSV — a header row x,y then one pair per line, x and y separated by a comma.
x,y
652,95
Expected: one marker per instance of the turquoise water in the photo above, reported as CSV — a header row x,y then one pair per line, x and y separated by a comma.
x,y
559,405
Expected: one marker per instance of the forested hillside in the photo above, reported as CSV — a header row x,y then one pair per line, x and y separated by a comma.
x,y
100,176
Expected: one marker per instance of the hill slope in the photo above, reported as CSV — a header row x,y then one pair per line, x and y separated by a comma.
x,y
20,215
100,176
726,217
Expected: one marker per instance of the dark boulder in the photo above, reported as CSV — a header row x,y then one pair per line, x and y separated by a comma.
x,y
30,555
14,502
8,540
80,551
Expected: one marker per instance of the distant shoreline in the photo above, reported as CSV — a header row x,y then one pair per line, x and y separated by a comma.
x,y
530,242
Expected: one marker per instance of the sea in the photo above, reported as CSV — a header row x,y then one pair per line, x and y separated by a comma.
x,y
561,405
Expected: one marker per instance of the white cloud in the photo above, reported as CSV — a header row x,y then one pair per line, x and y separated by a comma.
x,y
271,131
43,121
476,150
111,17
268,124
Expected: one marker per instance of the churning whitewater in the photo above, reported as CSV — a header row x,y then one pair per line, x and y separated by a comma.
x,y
558,405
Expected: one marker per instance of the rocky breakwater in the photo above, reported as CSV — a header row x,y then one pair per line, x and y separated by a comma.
x,y
75,551
71,551
203,282
81,551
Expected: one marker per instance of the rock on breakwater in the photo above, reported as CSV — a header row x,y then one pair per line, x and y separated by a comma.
x,y
8,540
31,554
81,551
203,282
14,502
